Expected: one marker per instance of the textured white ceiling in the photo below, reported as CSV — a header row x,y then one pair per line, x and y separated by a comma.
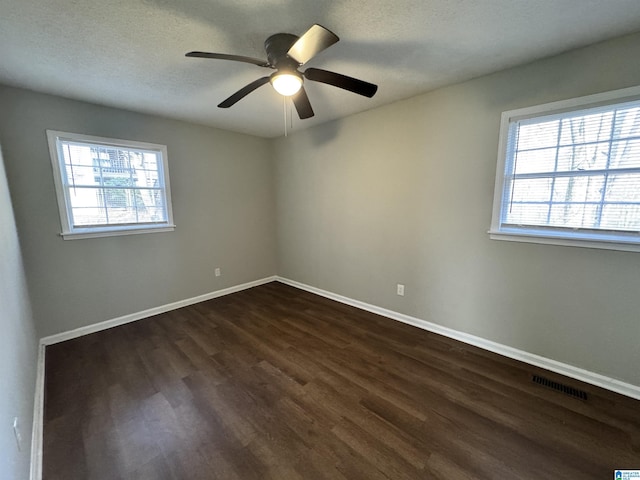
x,y
130,53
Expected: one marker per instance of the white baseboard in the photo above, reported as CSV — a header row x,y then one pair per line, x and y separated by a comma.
x,y
571,371
96,327
38,417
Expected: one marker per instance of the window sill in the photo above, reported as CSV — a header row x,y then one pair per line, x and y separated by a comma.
x,y
547,238
93,233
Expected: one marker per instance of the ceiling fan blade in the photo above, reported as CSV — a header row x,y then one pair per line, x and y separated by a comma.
x,y
224,56
243,92
312,42
341,81
303,105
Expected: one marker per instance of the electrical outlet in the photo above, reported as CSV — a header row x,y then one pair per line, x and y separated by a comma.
x,y
218,272
400,290
16,432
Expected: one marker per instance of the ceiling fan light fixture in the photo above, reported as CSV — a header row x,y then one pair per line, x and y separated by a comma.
x,y
286,83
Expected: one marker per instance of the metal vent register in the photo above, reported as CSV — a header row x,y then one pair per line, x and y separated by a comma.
x,y
560,387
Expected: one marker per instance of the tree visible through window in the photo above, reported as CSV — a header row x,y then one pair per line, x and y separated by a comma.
x,y
571,174
107,185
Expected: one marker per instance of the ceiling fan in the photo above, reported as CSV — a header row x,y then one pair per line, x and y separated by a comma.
x,y
285,54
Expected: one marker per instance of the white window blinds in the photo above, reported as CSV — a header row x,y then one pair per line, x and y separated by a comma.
x,y
573,174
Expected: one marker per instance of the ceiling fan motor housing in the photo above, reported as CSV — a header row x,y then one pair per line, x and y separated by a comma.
x,y
277,47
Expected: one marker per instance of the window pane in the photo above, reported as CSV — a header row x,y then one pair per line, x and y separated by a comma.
x,y
86,176
627,123
586,128
623,188
123,215
116,198
532,190
145,198
83,217
578,189
153,214
82,197
574,215
538,135
79,155
625,154
583,157
149,161
146,179
621,217
536,161
527,214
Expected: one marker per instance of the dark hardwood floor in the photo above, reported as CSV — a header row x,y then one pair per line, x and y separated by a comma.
x,y
277,383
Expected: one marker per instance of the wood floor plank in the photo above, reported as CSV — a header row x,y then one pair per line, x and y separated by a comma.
x,y
277,383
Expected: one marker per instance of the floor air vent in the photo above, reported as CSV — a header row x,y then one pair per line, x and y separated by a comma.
x,y
567,390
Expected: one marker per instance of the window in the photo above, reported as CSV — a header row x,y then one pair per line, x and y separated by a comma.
x,y
569,173
110,187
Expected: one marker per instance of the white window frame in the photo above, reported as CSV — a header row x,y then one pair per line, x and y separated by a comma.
x,y
69,232
549,235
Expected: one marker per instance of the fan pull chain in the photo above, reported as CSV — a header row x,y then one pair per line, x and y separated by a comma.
x,y
284,109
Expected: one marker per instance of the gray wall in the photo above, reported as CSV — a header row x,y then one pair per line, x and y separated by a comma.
x,y
223,205
18,346
403,194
